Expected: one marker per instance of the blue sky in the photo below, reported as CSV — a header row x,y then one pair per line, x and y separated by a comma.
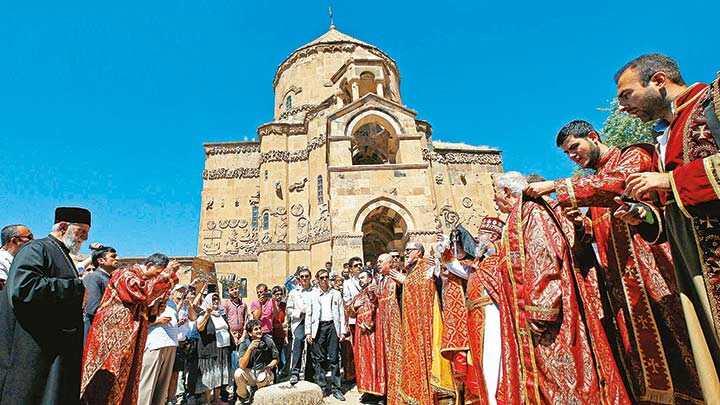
x,y
107,104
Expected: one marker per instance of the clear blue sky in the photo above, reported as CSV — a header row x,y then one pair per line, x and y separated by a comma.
x,y
107,104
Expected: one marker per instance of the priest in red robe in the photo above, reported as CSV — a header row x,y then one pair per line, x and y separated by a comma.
x,y
553,351
116,340
483,319
652,88
389,324
368,351
640,277
464,321
426,373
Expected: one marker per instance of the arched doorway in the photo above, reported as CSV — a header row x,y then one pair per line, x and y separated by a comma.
x,y
383,230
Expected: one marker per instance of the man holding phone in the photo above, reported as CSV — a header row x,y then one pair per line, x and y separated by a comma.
x,y
640,286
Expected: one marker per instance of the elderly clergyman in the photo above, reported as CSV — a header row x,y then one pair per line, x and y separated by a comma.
x,y
41,325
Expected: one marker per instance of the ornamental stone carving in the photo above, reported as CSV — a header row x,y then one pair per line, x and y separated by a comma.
x,y
298,186
232,148
297,210
293,156
226,173
483,158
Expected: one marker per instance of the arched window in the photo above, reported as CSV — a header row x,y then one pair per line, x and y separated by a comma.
x,y
254,217
320,190
367,83
266,221
372,144
288,102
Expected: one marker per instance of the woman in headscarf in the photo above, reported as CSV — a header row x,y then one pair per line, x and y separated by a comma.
x,y
214,349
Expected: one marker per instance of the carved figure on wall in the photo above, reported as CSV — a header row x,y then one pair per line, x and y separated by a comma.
x,y
321,227
439,179
298,186
278,189
266,238
255,199
232,246
281,229
211,242
297,210
303,230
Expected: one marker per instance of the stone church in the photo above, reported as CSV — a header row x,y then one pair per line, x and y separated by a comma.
x,y
344,169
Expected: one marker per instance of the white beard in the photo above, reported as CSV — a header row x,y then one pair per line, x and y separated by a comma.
x,y
70,242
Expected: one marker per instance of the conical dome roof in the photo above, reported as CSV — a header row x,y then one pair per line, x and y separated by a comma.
x,y
332,36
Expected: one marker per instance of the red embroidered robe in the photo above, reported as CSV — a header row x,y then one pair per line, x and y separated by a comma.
x,y
455,341
368,348
477,299
692,219
655,345
389,324
116,340
535,282
419,385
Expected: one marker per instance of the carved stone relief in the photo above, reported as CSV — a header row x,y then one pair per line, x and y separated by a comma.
x,y
227,173
298,186
255,199
243,242
489,158
297,210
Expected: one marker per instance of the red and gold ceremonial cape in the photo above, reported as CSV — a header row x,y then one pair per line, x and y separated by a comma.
x,y
655,346
536,283
113,355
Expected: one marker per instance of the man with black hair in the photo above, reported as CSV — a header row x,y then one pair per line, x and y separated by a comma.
x,y
115,353
104,260
258,359
652,88
12,238
324,333
41,316
641,289
299,311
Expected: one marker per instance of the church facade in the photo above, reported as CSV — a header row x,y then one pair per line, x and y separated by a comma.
x,y
344,169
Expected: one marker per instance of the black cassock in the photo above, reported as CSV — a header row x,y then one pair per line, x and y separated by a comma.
x,y
41,327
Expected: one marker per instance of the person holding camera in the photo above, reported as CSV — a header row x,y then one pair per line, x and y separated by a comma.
x,y
258,358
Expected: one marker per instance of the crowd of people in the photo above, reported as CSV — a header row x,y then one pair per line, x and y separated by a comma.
x,y
601,288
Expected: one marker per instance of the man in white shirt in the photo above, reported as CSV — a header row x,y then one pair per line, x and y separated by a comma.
x,y
327,327
159,356
299,309
12,238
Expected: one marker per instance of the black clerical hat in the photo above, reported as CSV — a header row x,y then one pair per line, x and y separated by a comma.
x,y
75,215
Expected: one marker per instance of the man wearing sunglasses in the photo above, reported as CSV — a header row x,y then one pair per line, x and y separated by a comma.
x,y
323,336
13,238
299,309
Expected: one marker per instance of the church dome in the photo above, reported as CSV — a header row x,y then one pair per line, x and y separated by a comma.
x,y
304,77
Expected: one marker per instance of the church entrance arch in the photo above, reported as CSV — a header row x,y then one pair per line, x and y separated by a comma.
x,y
383,230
